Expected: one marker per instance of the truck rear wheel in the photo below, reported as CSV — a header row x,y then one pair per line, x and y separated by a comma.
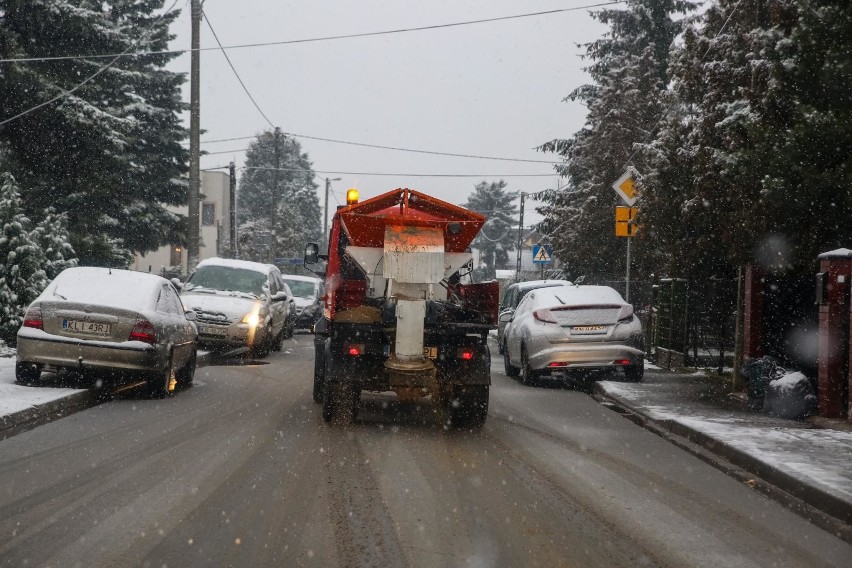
x,y
340,402
319,378
464,406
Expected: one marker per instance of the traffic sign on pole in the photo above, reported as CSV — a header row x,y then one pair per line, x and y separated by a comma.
x,y
625,186
542,254
625,224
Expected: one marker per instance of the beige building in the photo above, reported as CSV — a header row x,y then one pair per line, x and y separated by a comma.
x,y
214,218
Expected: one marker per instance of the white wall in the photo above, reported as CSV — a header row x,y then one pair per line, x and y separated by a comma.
x,y
215,187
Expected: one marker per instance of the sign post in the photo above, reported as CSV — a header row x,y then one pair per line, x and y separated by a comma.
x,y
625,187
542,254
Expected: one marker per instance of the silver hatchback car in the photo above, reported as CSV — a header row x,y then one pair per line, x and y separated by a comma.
x,y
98,319
556,330
240,304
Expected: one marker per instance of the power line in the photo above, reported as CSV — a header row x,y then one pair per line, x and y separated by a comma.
x,y
394,148
397,174
434,153
234,69
317,39
91,77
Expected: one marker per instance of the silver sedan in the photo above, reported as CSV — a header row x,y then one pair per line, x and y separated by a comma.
x,y
556,330
98,319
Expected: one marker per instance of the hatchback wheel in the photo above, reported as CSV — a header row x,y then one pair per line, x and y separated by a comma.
x,y
634,373
528,375
509,369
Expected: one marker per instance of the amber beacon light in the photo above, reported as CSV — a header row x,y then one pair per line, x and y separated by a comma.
x,y
351,196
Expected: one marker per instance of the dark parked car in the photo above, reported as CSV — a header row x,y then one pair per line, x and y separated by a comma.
x,y
307,291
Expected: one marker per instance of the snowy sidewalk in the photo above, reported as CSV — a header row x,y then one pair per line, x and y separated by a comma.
x,y
812,464
20,405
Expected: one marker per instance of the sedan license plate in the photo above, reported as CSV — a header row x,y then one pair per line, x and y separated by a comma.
x,y
87,327
588,329
212,330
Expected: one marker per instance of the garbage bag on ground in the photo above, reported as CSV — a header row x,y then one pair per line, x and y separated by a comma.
x,y
758,373
791,396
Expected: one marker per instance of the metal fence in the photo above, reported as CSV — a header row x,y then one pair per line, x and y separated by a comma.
x,y
692,323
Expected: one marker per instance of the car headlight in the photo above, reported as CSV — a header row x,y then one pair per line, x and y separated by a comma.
x,y
251,318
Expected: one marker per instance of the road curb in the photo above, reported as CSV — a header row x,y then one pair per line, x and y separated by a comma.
x,y
39,414
798,495
36,415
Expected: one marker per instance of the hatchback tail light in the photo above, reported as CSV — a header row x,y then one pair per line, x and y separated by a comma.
x,y
33,318
143,331
544,315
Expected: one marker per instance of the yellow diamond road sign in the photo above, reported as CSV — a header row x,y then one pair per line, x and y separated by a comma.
x,y
625,186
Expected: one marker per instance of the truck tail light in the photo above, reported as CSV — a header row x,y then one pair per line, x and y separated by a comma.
x,y
143,331
353,349
465,353
33,318
544,315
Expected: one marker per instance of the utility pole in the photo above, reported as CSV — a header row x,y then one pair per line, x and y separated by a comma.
x,y
232,207
273,214
520,237
325,213
194,142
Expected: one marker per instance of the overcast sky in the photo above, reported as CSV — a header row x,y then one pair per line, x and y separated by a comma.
x,y
492,89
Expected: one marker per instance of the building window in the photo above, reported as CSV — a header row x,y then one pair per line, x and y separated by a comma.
x,y
208,214
174,258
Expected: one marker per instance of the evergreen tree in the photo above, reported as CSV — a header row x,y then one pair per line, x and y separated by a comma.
x,y
295,209
51,234
754,150
22,277
629,70
108,154
496,238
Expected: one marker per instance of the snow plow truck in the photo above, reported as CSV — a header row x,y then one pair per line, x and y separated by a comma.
x,y
400,313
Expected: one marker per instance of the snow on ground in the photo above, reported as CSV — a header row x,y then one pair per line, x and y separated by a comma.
x,y
821,456
15,398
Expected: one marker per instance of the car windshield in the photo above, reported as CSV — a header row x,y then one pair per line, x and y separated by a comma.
x,y
302,288
227,279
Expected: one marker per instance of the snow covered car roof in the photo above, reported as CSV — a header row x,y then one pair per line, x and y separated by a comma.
x,y
106,287
588,295
244,264
541,283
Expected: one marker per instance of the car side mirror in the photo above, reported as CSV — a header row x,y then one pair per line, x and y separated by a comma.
x,y
279,296
177,284
506,316
190,315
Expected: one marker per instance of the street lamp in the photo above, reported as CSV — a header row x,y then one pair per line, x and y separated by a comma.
x,y
325,213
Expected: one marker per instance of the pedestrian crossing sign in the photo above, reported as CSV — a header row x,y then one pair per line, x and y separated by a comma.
x,y
542,254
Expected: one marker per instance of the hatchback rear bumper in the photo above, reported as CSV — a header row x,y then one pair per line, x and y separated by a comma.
x,y
586,356
42,348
